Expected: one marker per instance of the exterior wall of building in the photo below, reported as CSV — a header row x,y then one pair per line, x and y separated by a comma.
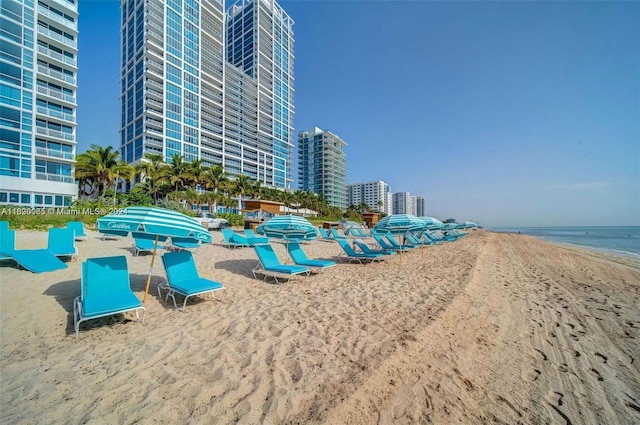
x,y
370,193
38,70
204,83
421,206
401,203
322,165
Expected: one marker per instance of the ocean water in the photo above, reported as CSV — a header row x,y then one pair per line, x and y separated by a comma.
x,y
622,240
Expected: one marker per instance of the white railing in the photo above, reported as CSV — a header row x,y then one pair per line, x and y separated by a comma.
x,y
54,177
55,133
69,5
56,114
55,153
67,23
64,40
58,56
56,74
56,94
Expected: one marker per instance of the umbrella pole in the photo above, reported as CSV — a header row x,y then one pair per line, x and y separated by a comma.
x,y
153,257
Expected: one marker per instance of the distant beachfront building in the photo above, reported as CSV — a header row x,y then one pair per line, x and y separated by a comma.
x,y
401,201
421,206
376,194
322,165
38,70
209,84
405,203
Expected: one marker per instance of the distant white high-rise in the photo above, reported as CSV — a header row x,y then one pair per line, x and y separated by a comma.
x,y
405,203
38,70
322,165
376,194
209,84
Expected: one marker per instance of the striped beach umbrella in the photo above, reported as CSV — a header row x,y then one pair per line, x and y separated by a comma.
x,y
153,223
399,224
288,227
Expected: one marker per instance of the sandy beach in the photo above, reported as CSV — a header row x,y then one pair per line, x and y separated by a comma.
x,y
493,328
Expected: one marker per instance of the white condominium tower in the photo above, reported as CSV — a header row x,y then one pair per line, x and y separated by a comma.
x,y
38,68
322,165
209,84
376,194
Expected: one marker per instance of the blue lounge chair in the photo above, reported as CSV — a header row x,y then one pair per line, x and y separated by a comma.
x,y
325,235
78,229
183,278
234,240
62,243
300,258
7,243
254,239
413,241
4,226
336,235
34,260
113,234
365,249
352,255
269,265
384,244
180,244
143,245
104,291
397,245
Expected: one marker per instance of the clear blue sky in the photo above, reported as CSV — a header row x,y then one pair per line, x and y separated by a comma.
x,y
506,113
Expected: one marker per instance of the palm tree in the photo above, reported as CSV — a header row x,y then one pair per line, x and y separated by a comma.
x,y
241,186
99,168
153,175
215,178
179,173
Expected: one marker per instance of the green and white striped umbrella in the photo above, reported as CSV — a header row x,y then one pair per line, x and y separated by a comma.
x,y
153,223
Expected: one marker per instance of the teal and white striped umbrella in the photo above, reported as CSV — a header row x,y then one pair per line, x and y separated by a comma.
x,y
399,223
153,223
288,227
432,223
469,224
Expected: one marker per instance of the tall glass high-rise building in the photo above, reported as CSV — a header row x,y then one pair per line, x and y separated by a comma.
x,y
38,68
322,165
211,84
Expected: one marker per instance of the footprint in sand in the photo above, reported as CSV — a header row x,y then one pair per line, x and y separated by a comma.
x,y
562,367
596,374
531,375
554,398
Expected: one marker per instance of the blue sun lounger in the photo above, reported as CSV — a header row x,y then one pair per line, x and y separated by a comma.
x,y
254,239
34,260
78,229
365,249
352,255
61,243
104,291
234,240
300,258
183,279
269,265
180,244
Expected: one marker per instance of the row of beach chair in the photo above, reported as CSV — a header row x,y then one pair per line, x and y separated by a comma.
x,y
105,289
